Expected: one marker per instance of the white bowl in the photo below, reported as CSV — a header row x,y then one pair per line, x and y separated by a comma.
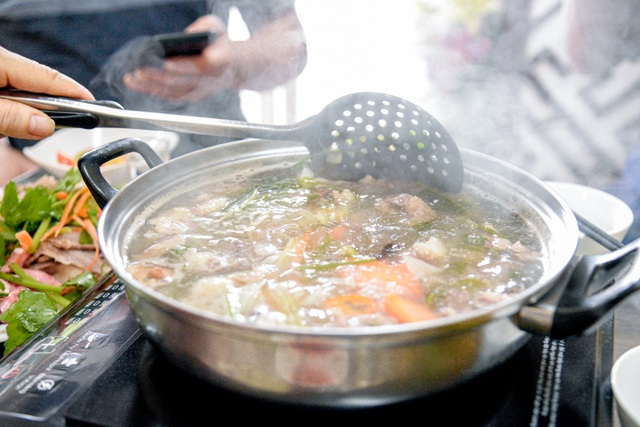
x,y
71,143
625,383
598,207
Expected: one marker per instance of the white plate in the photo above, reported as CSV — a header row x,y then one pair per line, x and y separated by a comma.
x,y
625,383
73,142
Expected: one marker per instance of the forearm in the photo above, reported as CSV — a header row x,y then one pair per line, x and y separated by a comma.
x,y
272,56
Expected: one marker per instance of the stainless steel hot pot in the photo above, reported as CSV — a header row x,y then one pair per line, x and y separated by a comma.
x,y
365,366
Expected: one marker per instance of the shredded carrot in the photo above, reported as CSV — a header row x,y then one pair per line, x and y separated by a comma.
x,y
49,233
66,290
82,200
68,209
61,195
302,245
353,304
66,214
24,238
405,310
88,226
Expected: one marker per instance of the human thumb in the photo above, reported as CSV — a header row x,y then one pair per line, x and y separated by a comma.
x,y
21,121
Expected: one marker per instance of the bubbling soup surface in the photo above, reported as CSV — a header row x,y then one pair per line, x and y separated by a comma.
x,y
281,248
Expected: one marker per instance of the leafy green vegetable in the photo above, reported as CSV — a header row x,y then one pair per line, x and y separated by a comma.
x,y
36,209
27,213
34,212
25,316
76,286
38,304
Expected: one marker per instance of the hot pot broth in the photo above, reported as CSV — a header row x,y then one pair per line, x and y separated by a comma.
x,y
283,248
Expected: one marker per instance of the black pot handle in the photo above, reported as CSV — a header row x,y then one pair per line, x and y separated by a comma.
x,y
590,288
89,165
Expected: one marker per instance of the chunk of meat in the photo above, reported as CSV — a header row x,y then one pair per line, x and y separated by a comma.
x,y
151,273
12,291
15,257
416,209
65,249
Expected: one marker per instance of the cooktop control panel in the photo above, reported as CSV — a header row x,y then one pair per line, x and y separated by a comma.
x,y
45,374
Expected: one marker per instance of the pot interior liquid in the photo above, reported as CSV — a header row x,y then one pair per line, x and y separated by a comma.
x,y
279,246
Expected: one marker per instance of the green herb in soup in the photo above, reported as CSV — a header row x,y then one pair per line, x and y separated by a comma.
x,y
313,252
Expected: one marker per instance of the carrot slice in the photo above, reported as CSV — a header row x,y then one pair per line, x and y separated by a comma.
x,y
24,238
82,200
386,275
353,304
404,310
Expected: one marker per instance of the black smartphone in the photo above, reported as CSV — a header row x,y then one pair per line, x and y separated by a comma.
x,y
177,44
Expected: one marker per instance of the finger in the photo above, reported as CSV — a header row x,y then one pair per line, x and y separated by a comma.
x,y
185,66
158,84
214,61
207,23
162,79
176,88
23,73
21,121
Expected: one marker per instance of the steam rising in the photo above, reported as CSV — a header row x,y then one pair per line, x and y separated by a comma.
x,y
146,52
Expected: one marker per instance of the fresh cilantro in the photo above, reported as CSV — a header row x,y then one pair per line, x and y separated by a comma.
x,y
68,182
25,316
76,286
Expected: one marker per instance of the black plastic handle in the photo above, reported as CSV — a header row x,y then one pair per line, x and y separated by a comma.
x,y
596,286
590,288
68,119
79,119
89,165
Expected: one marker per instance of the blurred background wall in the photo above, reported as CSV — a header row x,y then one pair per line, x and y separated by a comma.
x,y
497,74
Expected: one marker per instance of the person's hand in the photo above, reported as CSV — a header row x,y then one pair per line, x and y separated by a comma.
x,y
273,55
189,78
19,120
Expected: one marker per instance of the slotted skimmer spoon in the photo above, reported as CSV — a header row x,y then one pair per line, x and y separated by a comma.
x,y
360,134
